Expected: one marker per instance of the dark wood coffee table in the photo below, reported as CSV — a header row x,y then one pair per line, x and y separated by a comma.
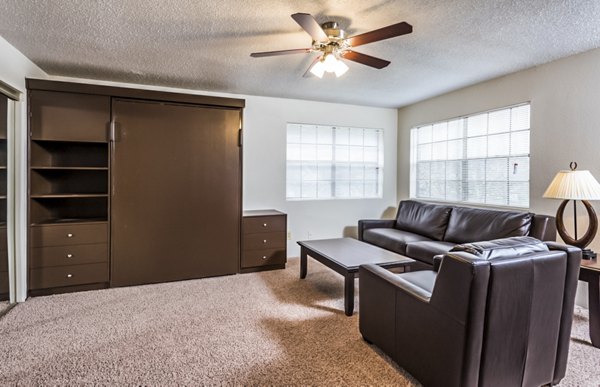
x,y
590,273
344,256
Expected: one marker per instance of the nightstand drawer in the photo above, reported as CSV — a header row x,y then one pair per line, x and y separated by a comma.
x,y
264,241
52,277
68,234
261,224
254,258
68,255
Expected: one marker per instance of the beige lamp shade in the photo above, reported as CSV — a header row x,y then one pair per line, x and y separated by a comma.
x,y
573,185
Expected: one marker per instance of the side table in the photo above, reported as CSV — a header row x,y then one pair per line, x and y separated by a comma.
x,y
590,273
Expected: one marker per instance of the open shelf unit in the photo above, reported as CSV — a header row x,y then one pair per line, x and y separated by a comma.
x,y
68,180
68,191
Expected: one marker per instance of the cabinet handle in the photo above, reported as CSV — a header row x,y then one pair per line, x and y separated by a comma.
x,y
69,275
69,255
264,241
264,257
264,225
69,235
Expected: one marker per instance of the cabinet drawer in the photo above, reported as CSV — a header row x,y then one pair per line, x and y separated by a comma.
x,y
68,255
254,258
261,224
68,116
65,234
3,260
3,239
264,241
52,277
3,282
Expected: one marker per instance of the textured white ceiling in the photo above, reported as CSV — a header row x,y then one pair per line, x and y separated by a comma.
x,y
205,45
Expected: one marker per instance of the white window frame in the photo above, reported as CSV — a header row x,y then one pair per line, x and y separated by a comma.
x,y
521,202
338,170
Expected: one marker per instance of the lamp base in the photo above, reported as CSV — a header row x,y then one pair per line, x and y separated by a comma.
x,y
588,254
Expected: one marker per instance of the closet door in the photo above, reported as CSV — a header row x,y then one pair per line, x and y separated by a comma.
x,y
176,192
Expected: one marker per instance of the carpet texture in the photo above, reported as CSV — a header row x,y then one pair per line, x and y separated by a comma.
x,y
261,328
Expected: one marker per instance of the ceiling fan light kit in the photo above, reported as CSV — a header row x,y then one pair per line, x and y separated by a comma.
x,y
330,41
329,64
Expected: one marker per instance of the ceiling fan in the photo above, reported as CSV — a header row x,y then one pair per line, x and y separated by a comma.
x,y
332,44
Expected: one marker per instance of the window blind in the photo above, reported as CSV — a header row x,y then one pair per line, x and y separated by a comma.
x,y
326,162
480,159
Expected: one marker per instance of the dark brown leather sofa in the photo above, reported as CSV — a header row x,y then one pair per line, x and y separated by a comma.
x,y
496,313
424,230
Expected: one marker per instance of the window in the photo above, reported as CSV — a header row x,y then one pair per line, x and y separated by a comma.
x,y
327,162
480,159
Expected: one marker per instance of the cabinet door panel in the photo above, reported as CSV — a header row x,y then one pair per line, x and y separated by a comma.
x,y
69,117
176,189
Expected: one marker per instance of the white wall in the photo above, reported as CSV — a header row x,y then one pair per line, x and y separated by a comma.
x,y
14,68
264,165
565,121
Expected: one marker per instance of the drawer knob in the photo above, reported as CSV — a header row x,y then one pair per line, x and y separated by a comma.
x,y
69,255
264,257
69,275
264,241
69,235
264,225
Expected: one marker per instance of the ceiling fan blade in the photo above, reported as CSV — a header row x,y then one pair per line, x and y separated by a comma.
x,y
398,29
308,73
365,59
281,52
310,25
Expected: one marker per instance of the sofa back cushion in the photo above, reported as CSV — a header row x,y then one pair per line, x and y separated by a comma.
x,y
505,248
421,218
476,224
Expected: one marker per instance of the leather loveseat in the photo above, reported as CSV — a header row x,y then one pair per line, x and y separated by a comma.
x,y
424,230
495,313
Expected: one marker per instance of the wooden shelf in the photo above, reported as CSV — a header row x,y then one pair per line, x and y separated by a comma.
x,y
67,140
39,168
70,221
66,196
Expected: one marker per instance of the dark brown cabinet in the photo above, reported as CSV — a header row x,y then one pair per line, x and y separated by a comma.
x,y
130,186
264,240
68,190
4,293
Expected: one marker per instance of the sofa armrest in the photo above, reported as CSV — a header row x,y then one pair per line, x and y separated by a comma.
x,y
573,264
543,227
437,261
397,281
365,224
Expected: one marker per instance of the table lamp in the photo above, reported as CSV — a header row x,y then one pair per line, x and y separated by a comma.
x,y
575,185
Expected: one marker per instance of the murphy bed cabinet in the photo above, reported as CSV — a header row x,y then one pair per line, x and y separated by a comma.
x,y
130,186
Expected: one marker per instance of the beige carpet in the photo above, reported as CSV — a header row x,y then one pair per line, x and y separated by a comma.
x,y
262,328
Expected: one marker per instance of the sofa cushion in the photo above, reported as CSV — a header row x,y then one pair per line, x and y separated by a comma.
x,y
391,239
425,251
503,248
426,219
475,224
